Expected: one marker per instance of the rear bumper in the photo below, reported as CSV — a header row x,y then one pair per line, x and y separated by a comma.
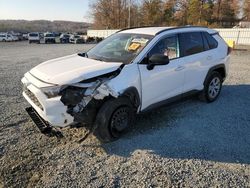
x,y
34,40
49,40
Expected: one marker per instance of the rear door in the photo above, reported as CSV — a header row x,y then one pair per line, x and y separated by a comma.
x,y
197,60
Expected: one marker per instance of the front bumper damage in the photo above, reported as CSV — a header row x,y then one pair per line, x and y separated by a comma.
x,y
42,125
76,103
83,102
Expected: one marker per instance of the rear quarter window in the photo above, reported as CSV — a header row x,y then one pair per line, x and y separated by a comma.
x,y
212,43
191,43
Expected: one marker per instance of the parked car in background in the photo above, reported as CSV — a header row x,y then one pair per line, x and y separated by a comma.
x,y
64,38
41,36
49,38
25,36
18,36
76,39
34,37
5,37
56,34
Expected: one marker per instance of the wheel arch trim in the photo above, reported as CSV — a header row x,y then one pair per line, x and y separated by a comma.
x,y
212,69
133,94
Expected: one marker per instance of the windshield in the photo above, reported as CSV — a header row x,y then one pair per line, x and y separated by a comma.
x,y
33,34
120,47
49,35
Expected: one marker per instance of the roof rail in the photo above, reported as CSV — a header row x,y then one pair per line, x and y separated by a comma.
x,y
134,28
183,27
168,29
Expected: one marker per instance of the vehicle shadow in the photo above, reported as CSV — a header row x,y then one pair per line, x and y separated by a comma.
x,y
217,131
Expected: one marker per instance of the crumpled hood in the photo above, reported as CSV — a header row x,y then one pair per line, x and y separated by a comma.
x,y
71,69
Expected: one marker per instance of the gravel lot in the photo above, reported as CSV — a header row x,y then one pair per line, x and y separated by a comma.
x,y
192,144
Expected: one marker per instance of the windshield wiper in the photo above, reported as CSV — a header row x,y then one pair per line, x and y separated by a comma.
x,y
97,59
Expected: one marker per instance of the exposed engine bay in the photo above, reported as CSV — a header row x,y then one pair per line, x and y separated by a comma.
x,y
83,99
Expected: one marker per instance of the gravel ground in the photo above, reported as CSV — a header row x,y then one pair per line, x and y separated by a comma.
x,y
192,144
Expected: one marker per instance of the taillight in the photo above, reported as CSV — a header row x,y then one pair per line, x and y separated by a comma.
x,y
229,50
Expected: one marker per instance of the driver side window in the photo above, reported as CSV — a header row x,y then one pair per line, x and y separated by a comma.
x,y
167,46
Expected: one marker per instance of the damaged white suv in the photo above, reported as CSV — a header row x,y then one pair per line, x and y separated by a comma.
x,y
130,72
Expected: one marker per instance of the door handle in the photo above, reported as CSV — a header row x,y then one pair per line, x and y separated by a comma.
x,y
179,68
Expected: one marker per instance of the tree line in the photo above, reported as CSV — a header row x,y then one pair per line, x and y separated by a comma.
x,y
116,14
42,26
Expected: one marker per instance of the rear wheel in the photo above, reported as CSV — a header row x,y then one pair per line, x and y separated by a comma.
x,y
212,87
113,119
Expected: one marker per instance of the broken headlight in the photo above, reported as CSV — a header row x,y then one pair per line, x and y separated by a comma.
x,y
51,92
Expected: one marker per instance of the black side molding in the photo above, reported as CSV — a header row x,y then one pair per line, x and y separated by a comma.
x,y
171,101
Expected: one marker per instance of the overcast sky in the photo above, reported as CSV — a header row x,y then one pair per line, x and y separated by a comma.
x,y
71,10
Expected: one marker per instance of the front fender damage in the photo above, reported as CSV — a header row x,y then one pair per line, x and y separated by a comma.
x,y
84,99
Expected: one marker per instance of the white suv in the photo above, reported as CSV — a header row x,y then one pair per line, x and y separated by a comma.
x,y
5,37
130,72
34,38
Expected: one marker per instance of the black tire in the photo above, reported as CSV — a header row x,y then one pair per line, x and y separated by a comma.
x,y
210,93
113,119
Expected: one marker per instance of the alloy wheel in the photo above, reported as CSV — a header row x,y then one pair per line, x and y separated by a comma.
x,y
214,88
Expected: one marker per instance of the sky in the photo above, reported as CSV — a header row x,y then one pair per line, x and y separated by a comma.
x,y
70,10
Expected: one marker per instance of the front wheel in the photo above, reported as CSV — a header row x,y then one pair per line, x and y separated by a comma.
x,y
113,119
212,87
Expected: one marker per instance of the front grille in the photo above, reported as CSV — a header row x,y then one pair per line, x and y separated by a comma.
x,y
33,98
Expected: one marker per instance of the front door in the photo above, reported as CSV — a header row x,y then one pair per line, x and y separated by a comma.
x,y
164,81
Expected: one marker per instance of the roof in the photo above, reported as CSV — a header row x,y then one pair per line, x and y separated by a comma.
x,y
157,30
145,30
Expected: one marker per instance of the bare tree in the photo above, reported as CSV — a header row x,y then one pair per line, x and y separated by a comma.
x,y
246,10
114,14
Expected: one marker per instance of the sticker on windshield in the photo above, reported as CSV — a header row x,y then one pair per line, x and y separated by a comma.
x,y
134,46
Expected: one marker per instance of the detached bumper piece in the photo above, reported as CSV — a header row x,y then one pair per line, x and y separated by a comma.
x,y
42,125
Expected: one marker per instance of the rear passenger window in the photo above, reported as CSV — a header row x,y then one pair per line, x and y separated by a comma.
x,y
191,43
212,43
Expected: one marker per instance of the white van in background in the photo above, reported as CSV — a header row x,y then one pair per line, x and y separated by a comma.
x,y
34,38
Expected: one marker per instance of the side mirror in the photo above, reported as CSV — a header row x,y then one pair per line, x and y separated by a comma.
x,y
157,59
82,54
